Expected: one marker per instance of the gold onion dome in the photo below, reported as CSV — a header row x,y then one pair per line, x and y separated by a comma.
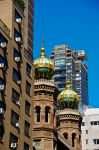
x,y
44,68
68,98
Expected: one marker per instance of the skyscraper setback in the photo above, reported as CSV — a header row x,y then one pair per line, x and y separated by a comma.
x,y
71,65
16,74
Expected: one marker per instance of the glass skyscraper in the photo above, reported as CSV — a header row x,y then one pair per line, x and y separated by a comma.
x,y
71,65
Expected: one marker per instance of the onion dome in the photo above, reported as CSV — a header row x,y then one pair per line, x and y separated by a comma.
x,y
68,98
44,68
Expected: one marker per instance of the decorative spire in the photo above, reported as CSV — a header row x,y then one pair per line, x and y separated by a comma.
x,y
68,84
42,49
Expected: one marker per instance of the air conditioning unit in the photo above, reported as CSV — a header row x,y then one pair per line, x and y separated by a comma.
x,y
19,82
1,110
1,65
19,20
18,39
3,44
17,59
17,125
1,87
13,145
18,103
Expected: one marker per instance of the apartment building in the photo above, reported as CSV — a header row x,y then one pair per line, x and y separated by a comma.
x,y
90,129
16,77
71,65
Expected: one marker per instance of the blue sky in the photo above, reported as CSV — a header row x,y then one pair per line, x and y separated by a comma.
x,y
71,22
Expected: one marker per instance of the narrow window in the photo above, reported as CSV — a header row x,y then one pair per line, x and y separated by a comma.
x,y
15,96
73,139
28,69
16,75
47,109
26,128
86,141
65,135
28,88
86,131
1,130
27,107
26,146
14,118
13,141
37,113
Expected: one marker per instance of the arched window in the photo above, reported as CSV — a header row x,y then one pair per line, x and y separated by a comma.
x,y
47,109
37,113
73,139
65,135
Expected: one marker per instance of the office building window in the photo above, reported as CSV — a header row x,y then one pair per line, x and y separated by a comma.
x,y
96,141
28,69
27,107
59,62
28,88
27,129
58,55
94,123
14,119
61,86
26,146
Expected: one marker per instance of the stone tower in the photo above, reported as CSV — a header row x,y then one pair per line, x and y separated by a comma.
x,y
68,117
45,93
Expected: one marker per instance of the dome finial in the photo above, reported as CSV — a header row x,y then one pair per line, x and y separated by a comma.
x,y
68,84
42,49
42,43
